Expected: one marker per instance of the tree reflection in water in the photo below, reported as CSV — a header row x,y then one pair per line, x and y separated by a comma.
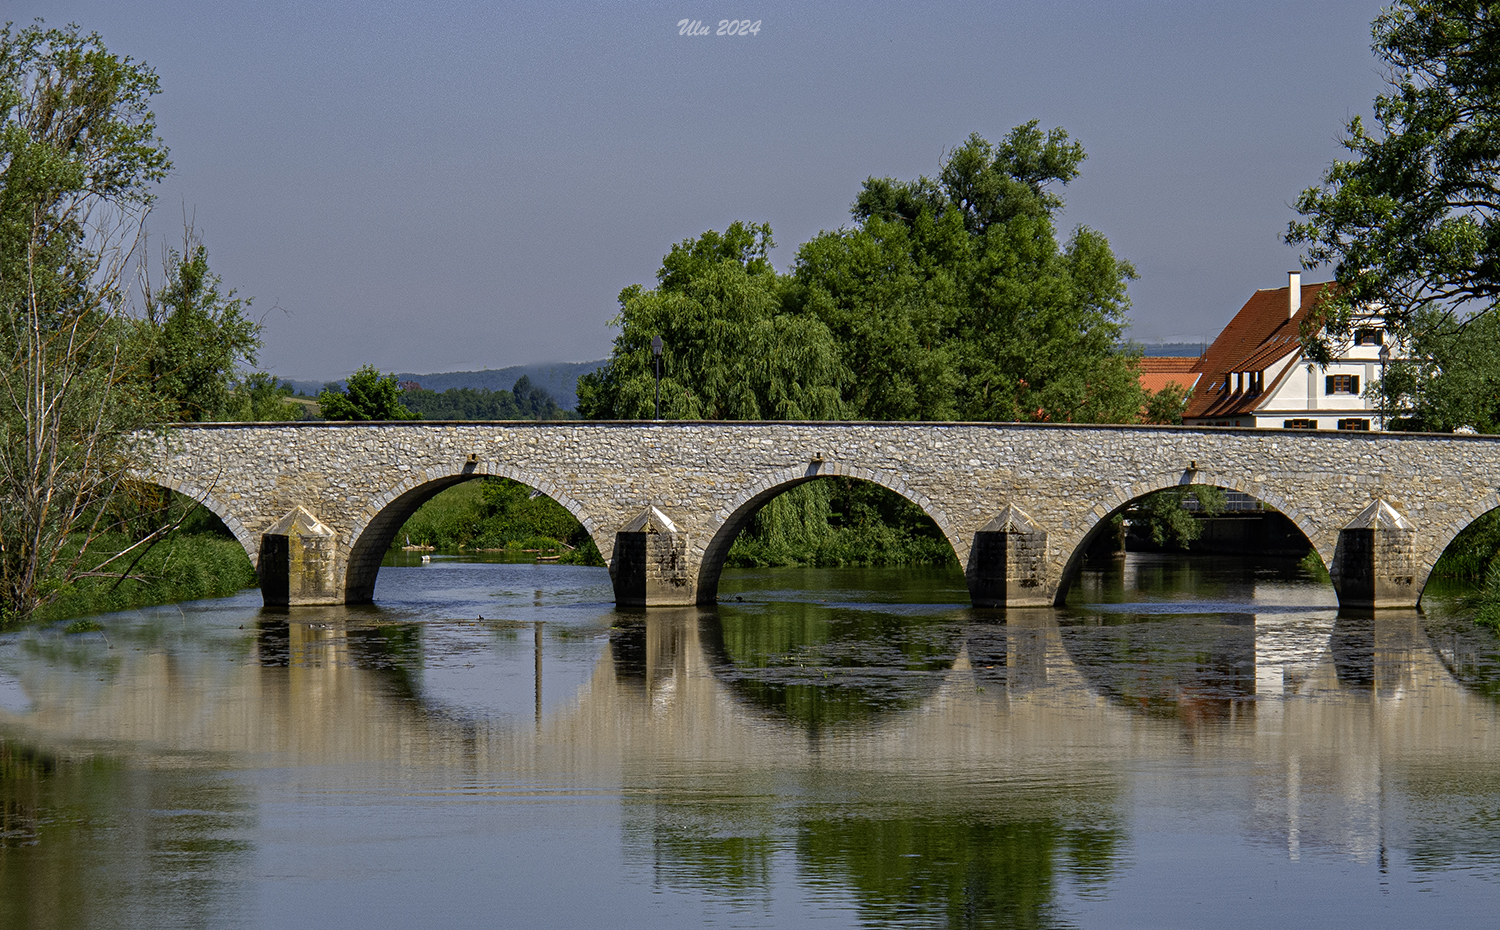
x,y
93,842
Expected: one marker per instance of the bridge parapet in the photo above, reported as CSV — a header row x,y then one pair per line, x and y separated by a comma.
x,y
1018,503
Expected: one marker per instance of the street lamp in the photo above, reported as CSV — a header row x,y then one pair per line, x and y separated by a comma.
x,y
1385,356
656,352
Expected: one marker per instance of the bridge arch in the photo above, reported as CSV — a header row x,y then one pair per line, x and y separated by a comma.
x,y
736,515
1444,537
380,521
1120,497
215,505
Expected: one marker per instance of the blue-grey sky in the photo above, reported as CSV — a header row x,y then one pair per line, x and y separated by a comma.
x,y
435,186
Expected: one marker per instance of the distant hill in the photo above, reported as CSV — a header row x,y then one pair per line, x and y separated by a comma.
x,y
559,379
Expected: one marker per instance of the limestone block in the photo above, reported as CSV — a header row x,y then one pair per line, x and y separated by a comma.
x,y
651,566
1008,563
1374,564
297,562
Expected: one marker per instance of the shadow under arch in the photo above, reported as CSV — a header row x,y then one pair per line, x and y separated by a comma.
x,y
378,525
1118,499
214,505
752,499
1447,535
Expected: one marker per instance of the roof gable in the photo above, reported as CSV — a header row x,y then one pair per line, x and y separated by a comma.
x,y
1260,334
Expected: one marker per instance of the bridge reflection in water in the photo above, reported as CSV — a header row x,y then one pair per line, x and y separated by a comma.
x,y
976,759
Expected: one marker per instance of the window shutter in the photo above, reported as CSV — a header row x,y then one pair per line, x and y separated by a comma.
x,y
1328,384
1354,384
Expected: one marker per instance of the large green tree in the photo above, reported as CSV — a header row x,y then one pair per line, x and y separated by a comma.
x,y
952,298
731,350
1411,221
78,157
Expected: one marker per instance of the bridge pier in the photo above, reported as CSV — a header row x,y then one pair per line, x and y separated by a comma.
x,y
1008,563
650,567
297,564
1374,564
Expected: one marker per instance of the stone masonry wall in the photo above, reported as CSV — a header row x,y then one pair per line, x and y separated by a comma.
x,y
706,477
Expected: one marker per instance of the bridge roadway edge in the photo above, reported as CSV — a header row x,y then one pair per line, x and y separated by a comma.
x,y
708,478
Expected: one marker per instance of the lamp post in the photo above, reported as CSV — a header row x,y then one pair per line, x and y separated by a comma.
x,y
656,353
1385,356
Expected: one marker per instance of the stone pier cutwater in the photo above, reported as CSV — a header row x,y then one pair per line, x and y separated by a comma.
x,y
316,505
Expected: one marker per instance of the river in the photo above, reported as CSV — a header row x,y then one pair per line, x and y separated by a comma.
x,y
1192,742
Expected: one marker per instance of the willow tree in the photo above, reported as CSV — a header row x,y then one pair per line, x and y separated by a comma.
x,y
78,156
953,297
730,350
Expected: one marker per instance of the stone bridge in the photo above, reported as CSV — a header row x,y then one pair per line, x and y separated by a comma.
x,y
317,505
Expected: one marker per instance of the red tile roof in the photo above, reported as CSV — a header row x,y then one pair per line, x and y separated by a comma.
x,y
1258,336
1156,372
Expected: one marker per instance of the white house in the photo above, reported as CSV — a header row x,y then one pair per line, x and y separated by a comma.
x,y
1255,373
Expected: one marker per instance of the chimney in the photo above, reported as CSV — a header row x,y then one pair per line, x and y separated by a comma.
x,y
1293,293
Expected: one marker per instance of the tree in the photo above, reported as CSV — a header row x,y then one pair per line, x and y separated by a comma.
x,y
78,155
1448,379
524,401
193,340
730,350
952,298
367,396
258,397
1411,223
1165,407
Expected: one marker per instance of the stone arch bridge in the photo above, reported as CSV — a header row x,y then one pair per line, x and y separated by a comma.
x,y
316,505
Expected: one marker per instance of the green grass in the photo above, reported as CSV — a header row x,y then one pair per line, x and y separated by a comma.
x,y
181,568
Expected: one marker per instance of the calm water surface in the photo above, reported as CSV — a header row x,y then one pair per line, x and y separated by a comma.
x,y
1192,743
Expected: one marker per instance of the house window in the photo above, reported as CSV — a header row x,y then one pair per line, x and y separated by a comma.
x,y
1300,424
1352,423
1369,337
1341,384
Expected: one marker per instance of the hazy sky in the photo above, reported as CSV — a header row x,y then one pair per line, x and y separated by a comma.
x,y
435,186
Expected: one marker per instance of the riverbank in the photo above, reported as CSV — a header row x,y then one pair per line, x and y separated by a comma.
x,y
179,568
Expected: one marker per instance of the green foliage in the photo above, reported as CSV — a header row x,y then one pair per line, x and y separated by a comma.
x,y
78,155
525,401
1484,602
498,513
953,299
1411,222
367,396
840,522
730,349
259,397
1165,407
193,340
949,299
1472,553
1164,519
1312,564
1449,379
180,568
